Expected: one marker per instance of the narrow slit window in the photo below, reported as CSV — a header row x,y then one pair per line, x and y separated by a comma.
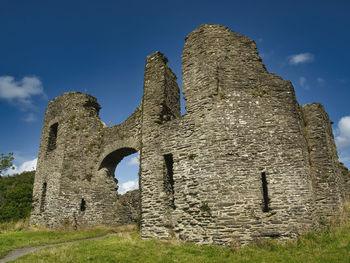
x,y
52,137
265,193
43,197
82,205
169,179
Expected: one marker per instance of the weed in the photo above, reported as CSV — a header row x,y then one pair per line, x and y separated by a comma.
x,y
258,92
223,96
191,156
205,208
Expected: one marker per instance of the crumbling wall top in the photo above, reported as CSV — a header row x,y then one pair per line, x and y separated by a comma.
x,y
216,59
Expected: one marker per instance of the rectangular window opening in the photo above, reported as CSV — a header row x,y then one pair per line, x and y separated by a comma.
x,y
169,179
43,197
265,192
82,205
52,137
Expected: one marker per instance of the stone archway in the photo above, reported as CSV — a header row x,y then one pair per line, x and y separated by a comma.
x,y
129,202
111,160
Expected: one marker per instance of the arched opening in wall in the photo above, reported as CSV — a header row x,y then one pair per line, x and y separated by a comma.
x,y
123,165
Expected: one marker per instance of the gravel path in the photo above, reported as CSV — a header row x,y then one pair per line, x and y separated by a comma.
x,y
19,252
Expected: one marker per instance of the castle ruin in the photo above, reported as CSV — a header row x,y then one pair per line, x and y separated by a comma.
x,y
245,162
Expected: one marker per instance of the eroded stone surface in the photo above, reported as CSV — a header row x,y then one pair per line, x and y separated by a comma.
x,y
245,162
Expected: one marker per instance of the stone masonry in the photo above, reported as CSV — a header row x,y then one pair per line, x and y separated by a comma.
x,y
245,162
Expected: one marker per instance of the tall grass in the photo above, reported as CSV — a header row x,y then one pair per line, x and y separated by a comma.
x,y
20,225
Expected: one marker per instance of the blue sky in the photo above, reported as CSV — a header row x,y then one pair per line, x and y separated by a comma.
x,y
99,47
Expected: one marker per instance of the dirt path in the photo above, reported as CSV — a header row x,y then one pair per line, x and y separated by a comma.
x,y
19,252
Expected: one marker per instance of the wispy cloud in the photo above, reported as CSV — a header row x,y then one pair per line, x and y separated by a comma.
x,y
25,166
134,161
128,186
342,132
30,117
300,58
303,83
20,92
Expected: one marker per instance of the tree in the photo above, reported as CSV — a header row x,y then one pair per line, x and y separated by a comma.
x,y
16,196
6,162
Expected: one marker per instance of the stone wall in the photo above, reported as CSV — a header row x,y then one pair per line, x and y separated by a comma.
x,y
240,124
75,182
160,104
245,162
326,176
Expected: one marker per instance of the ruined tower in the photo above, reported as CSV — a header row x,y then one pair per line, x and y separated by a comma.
x,y
245,161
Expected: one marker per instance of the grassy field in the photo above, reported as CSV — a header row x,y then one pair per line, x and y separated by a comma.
x,y
330,245
19,235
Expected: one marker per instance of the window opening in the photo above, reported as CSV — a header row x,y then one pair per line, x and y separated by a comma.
x,y
265,192
82,205
43,197
169,179
52,137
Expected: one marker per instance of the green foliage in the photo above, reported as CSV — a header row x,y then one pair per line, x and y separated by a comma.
x,y
258,91
223,96
16,196
6,162
205,208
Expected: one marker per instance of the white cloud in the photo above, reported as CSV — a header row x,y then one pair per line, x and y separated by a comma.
x,y
300,58
134,161
21,91
303,84
26,166
30,117
344,157
343,132
128,186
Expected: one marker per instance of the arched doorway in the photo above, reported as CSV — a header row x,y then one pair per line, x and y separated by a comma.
x,y
117,165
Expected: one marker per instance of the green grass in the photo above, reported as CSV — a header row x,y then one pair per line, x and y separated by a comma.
x,y
19,235
330,245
